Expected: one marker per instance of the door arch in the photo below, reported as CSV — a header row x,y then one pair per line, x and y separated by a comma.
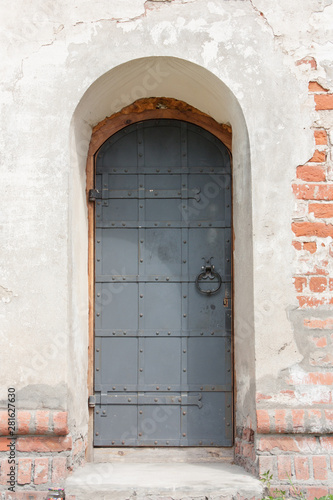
x,y
141,154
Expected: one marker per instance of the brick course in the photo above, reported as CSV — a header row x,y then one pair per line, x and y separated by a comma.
x,y
40,422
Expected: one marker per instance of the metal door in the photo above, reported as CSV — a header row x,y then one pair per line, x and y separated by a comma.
x,y
163,288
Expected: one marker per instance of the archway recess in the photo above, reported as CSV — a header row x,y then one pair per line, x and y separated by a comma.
x,y
193,84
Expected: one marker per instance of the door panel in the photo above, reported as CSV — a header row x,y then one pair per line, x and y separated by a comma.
x,y
163,374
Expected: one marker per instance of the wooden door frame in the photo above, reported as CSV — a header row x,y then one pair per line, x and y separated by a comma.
x,y
143,109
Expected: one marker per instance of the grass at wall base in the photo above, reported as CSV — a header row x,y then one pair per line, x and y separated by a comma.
x,y
278,494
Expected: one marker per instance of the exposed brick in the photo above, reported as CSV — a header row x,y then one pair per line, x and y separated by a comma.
x,y
307,60
310,246
321,210
44,444
319,467
313,378
42,422
311,173
4,443
302,468
300,283
287,443
318,157
3,423
319,378
5,469
313,492
298,419
263,424
306,301
266,464
248,450
326,324
280,421
330,284
323,101
297,245
320,341
318,284
27,495
23,422
284,466
315,87
41,470
319,229
313,191
59,469
262,397
29,423
60,425
331,462
24,471
320,137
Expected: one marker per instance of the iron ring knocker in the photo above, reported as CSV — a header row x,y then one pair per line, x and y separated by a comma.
x,y
208,272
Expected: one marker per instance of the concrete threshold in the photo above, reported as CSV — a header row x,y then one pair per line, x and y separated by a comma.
x,y
176,481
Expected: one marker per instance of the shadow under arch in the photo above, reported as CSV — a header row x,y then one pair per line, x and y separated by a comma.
x,y
195,85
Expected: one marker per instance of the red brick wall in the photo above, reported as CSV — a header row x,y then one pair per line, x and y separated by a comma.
x,y
313,226
294,432
45,451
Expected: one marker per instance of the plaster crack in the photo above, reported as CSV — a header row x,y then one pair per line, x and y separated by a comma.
x,y
262,15
149,5
46,44
119,20
277,38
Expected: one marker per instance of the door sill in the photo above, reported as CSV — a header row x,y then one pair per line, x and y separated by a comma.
x,y
163,455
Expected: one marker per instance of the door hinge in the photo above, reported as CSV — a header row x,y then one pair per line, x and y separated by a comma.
x,y
94,194
91,401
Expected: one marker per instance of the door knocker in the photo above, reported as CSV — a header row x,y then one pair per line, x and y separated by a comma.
x,y
208,272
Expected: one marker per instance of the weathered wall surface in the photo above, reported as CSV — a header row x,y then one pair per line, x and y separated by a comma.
x,y
68,65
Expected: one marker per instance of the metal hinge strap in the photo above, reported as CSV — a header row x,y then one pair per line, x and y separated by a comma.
x,y
94,194
92,401
145,399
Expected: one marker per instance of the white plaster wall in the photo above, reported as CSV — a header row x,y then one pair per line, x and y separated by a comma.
x,y
231,64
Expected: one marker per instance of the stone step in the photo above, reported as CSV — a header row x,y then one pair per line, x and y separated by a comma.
x,y
176,481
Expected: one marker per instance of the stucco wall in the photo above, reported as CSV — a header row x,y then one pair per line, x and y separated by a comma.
x,y
68,65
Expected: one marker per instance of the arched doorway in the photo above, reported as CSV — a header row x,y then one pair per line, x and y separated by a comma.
x,y
162,247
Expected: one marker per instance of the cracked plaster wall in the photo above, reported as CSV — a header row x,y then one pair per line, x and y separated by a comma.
x,y
243,54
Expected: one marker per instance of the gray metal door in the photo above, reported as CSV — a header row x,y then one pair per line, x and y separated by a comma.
x,y
163,288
